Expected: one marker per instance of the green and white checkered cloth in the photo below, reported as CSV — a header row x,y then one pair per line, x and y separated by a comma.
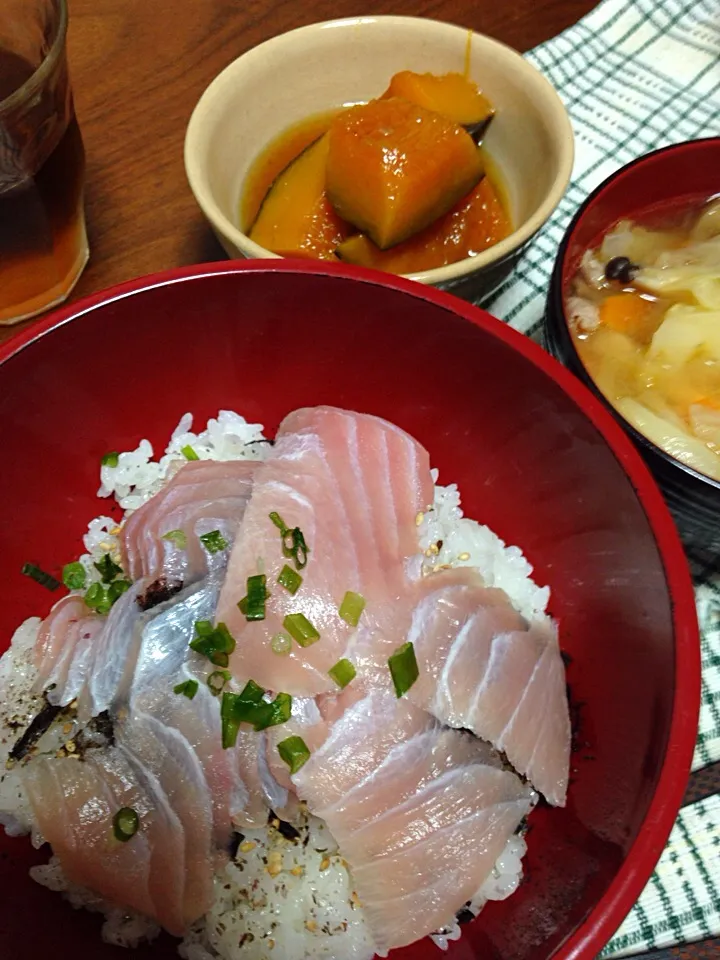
x,y
636,75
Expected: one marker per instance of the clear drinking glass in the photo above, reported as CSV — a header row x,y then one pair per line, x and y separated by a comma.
x,y
43,243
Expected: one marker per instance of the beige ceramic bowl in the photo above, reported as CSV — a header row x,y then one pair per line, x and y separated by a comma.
x,y
326,65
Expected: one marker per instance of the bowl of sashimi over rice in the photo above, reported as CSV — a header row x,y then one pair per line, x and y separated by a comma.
x,y
338,620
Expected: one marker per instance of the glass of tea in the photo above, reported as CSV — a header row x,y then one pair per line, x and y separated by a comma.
x,y
43,244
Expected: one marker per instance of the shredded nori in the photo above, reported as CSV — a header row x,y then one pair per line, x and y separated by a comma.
x,y
235,841
158,592
97,735
464,915
288,831
39,726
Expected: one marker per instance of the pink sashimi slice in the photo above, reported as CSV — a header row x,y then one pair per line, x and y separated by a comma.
x,y
75,803
203,493
353,484
63,645
484,668
420,813
167,755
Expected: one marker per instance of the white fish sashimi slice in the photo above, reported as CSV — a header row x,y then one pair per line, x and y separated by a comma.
x,y
166,636
200,490
328,471
486,669
420,812
170,758
419,891
75,802
427,756
68,624
358,743
111,666
240,787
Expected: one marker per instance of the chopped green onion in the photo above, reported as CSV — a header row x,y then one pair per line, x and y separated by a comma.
x,y
281,644
107,568
271,714
237,708
117,588
294,546
352,607
74,575
255,599
126,824
46,580
110,459
215,643
289,579
98,599
343,672
279,522
294,753
214,541
189,453
293,541
300,629
188,689
242,605
178,537
403,668
252,692
217,680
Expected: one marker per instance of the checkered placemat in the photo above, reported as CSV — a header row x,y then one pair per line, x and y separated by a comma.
x,y
636,75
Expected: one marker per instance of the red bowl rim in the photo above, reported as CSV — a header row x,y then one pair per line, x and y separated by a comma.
x,y
603,920
556,300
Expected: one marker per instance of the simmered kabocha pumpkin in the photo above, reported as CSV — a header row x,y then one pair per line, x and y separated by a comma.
x,y
395,184
449,94
394,167
296,218
476,222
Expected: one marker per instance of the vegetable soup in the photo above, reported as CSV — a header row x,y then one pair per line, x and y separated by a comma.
x,y
644,314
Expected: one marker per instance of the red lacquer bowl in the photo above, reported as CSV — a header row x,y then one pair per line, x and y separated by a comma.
x,y
675,178
536,456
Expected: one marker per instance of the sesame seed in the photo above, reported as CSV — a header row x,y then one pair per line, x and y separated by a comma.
x,y
297,871
247,846
419,518
464,556
67,728
325,863
311,925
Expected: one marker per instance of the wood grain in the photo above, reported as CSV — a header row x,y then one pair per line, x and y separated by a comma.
x,y
138,68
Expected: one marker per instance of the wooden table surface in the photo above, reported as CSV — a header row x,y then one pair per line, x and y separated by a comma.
x,y
139,67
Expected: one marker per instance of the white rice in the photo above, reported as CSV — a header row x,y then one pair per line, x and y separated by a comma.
x,y
277,899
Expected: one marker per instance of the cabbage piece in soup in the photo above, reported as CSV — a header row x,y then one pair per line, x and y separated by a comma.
x,y
644,313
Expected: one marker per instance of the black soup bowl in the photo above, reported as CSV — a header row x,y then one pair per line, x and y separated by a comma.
x,y
670,178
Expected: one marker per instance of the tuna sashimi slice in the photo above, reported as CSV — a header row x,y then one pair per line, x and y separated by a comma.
x,y
420,813
354,485
203,495
485,668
